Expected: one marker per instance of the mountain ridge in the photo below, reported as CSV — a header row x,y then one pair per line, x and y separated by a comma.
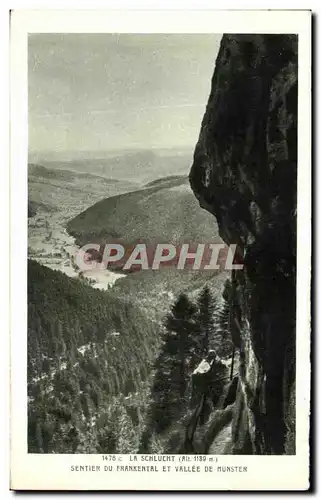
x,y
164,211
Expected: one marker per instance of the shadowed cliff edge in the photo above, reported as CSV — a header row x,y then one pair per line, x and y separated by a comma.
x,y
244,173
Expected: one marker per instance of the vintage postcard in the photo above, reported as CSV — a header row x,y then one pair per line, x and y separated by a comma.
x,y
160,250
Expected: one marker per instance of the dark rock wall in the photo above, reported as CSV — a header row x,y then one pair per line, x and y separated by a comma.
x,y
244,173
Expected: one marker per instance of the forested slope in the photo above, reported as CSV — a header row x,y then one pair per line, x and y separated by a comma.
x,y
86,349
105,375
164,211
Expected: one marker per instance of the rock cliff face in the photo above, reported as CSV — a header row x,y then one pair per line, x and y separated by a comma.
x,y
244,173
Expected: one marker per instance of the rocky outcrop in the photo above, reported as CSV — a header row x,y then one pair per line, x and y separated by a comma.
x,y
244,173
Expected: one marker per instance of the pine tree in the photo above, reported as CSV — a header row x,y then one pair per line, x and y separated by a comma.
x,y
176,361
181,341
57,341
127,436
38,357
39,441
207,307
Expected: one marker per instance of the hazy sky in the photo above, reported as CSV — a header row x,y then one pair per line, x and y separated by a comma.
x,y
109,91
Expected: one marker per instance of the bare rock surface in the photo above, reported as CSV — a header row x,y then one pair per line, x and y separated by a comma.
x,y
244,173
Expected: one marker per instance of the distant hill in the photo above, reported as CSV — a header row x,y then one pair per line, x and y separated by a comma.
x,y
164,211
70,191
138,166
65,175
170,180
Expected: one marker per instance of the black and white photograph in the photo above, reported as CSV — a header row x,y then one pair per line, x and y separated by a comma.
x,y
162,254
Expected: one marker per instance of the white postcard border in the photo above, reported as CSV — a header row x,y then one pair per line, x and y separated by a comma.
x,y
29,471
